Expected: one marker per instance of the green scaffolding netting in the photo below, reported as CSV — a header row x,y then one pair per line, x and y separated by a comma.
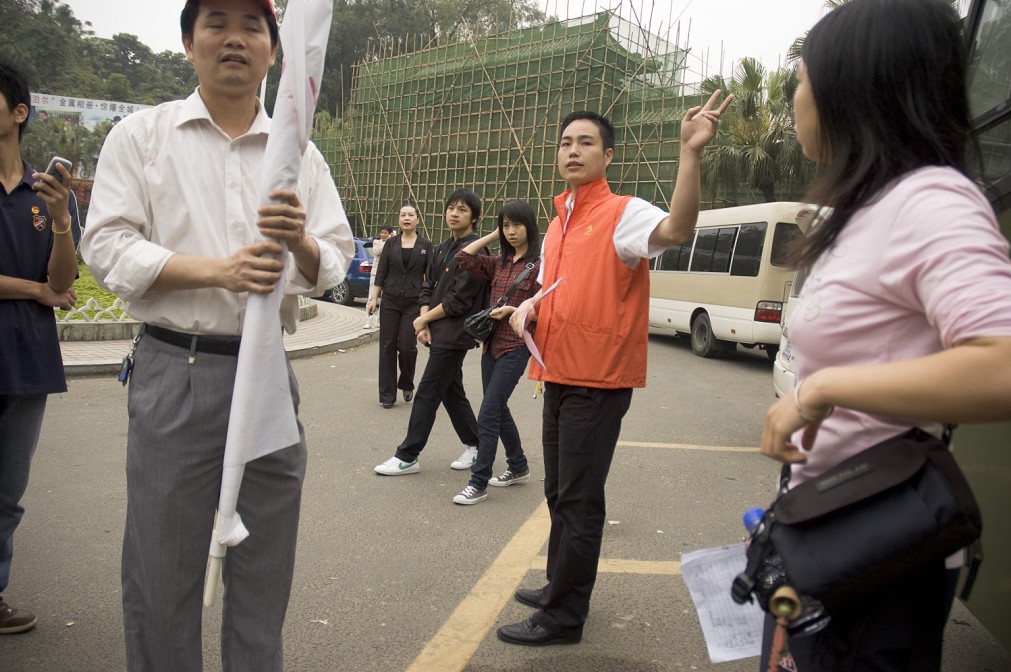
x,y
484,114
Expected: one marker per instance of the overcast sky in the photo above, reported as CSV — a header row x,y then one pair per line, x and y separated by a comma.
x,y
731,28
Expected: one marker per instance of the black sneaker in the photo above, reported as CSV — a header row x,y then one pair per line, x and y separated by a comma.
x,y
13,621
510,477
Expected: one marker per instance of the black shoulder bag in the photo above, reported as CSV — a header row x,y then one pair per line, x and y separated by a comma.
x,y
480,325
870,521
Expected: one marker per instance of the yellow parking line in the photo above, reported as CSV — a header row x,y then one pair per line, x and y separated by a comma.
x,y
687,446
457,640
618,566
623,566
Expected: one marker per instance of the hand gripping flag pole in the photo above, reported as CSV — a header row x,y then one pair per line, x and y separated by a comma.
x,y
262,418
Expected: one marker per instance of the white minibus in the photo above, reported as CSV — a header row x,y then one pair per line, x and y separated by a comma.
x,y
729,283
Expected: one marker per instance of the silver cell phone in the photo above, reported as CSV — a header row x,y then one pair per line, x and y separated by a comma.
x,y
51,169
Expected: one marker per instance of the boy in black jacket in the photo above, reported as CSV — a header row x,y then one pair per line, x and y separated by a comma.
x,y
448,296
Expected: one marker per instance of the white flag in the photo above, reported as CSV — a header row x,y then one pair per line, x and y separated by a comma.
x,y
262,416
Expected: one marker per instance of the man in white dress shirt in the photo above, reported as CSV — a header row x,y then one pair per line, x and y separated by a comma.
x,y
172,229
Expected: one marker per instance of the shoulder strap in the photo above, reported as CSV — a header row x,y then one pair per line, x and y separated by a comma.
x,y
520,278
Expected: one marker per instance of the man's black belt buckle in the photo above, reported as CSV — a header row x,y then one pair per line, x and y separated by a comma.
x,y
215,345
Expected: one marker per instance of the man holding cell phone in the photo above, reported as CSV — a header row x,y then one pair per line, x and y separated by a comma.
x,y
39,232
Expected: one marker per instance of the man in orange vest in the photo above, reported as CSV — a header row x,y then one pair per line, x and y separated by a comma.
x,y
592,333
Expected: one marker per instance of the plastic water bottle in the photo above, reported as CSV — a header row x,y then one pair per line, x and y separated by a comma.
x,y
751,518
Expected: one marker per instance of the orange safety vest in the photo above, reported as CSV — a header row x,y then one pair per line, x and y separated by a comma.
x,y
593,330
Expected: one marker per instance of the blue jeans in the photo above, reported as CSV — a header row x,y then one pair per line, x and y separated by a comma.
x,y
499,377
20,425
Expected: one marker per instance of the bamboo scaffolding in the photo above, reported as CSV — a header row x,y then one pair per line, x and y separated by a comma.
x,y
427,116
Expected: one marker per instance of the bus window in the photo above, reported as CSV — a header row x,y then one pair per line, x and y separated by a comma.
x,y
724,248
669,260
748,254
705,243
782,238
686,254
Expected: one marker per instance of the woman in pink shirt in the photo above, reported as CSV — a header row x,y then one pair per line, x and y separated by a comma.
x,y
905,317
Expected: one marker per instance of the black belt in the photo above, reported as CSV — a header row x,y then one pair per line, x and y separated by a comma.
x,y
215,345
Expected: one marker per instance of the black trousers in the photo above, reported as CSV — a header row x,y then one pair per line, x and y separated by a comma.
x,y
900,630
397,344
580,432
441,383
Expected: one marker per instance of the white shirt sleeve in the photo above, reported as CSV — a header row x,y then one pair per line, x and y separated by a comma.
x,y
631,234
116,239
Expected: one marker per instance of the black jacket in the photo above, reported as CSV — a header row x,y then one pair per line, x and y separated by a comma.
x,y
394,277
460,293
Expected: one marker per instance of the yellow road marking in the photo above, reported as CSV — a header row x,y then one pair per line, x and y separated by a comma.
x,y
618,566
457,640
622,566
687,446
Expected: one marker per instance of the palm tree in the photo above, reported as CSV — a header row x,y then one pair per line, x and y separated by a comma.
x,y
757,144
43,139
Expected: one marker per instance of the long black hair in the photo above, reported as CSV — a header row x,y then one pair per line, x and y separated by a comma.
x,y
521,213
889,84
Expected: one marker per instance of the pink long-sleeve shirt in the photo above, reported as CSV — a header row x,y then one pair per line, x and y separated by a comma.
x,y
923,268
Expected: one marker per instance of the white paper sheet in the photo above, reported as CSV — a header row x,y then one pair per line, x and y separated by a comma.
x,y
527,336
732,631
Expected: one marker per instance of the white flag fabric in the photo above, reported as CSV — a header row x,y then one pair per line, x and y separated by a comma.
x,y
262,418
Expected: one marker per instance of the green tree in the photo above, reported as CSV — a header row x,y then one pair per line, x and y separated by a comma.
x,y
43,139
91,146
757,145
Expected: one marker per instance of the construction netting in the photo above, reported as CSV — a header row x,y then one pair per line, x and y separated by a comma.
x,y
484,114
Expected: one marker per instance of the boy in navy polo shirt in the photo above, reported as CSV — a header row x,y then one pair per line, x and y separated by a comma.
x,y
39,232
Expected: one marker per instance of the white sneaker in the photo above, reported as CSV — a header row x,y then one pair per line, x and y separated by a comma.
x,y
466,460
471,495
396,467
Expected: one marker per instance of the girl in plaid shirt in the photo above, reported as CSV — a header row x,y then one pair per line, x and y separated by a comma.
x,y
505,354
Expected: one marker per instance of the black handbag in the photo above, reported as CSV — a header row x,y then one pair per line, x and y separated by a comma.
x,y
874,519
481,324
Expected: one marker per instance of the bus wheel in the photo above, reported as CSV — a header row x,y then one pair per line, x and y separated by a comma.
x,y
704,344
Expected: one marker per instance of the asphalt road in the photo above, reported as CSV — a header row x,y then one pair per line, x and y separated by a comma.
x,y
391,574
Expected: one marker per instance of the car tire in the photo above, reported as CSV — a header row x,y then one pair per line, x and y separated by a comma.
x,y
771,351
704,344
341,294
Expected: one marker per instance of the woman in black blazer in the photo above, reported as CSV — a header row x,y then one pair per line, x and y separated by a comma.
x,y
399,276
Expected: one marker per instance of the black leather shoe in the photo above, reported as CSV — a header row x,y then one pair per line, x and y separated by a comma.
x,y
529,596
408,395
388,404
528,633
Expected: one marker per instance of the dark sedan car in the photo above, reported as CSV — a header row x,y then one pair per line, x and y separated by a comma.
x,y
356,284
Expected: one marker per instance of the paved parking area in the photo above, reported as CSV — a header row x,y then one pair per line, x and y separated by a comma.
x,y
391,575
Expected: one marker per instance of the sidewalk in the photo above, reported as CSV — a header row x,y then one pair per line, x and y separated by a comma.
x,y
334,327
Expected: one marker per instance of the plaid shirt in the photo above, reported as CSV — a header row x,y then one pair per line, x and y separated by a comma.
x,y
500,277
